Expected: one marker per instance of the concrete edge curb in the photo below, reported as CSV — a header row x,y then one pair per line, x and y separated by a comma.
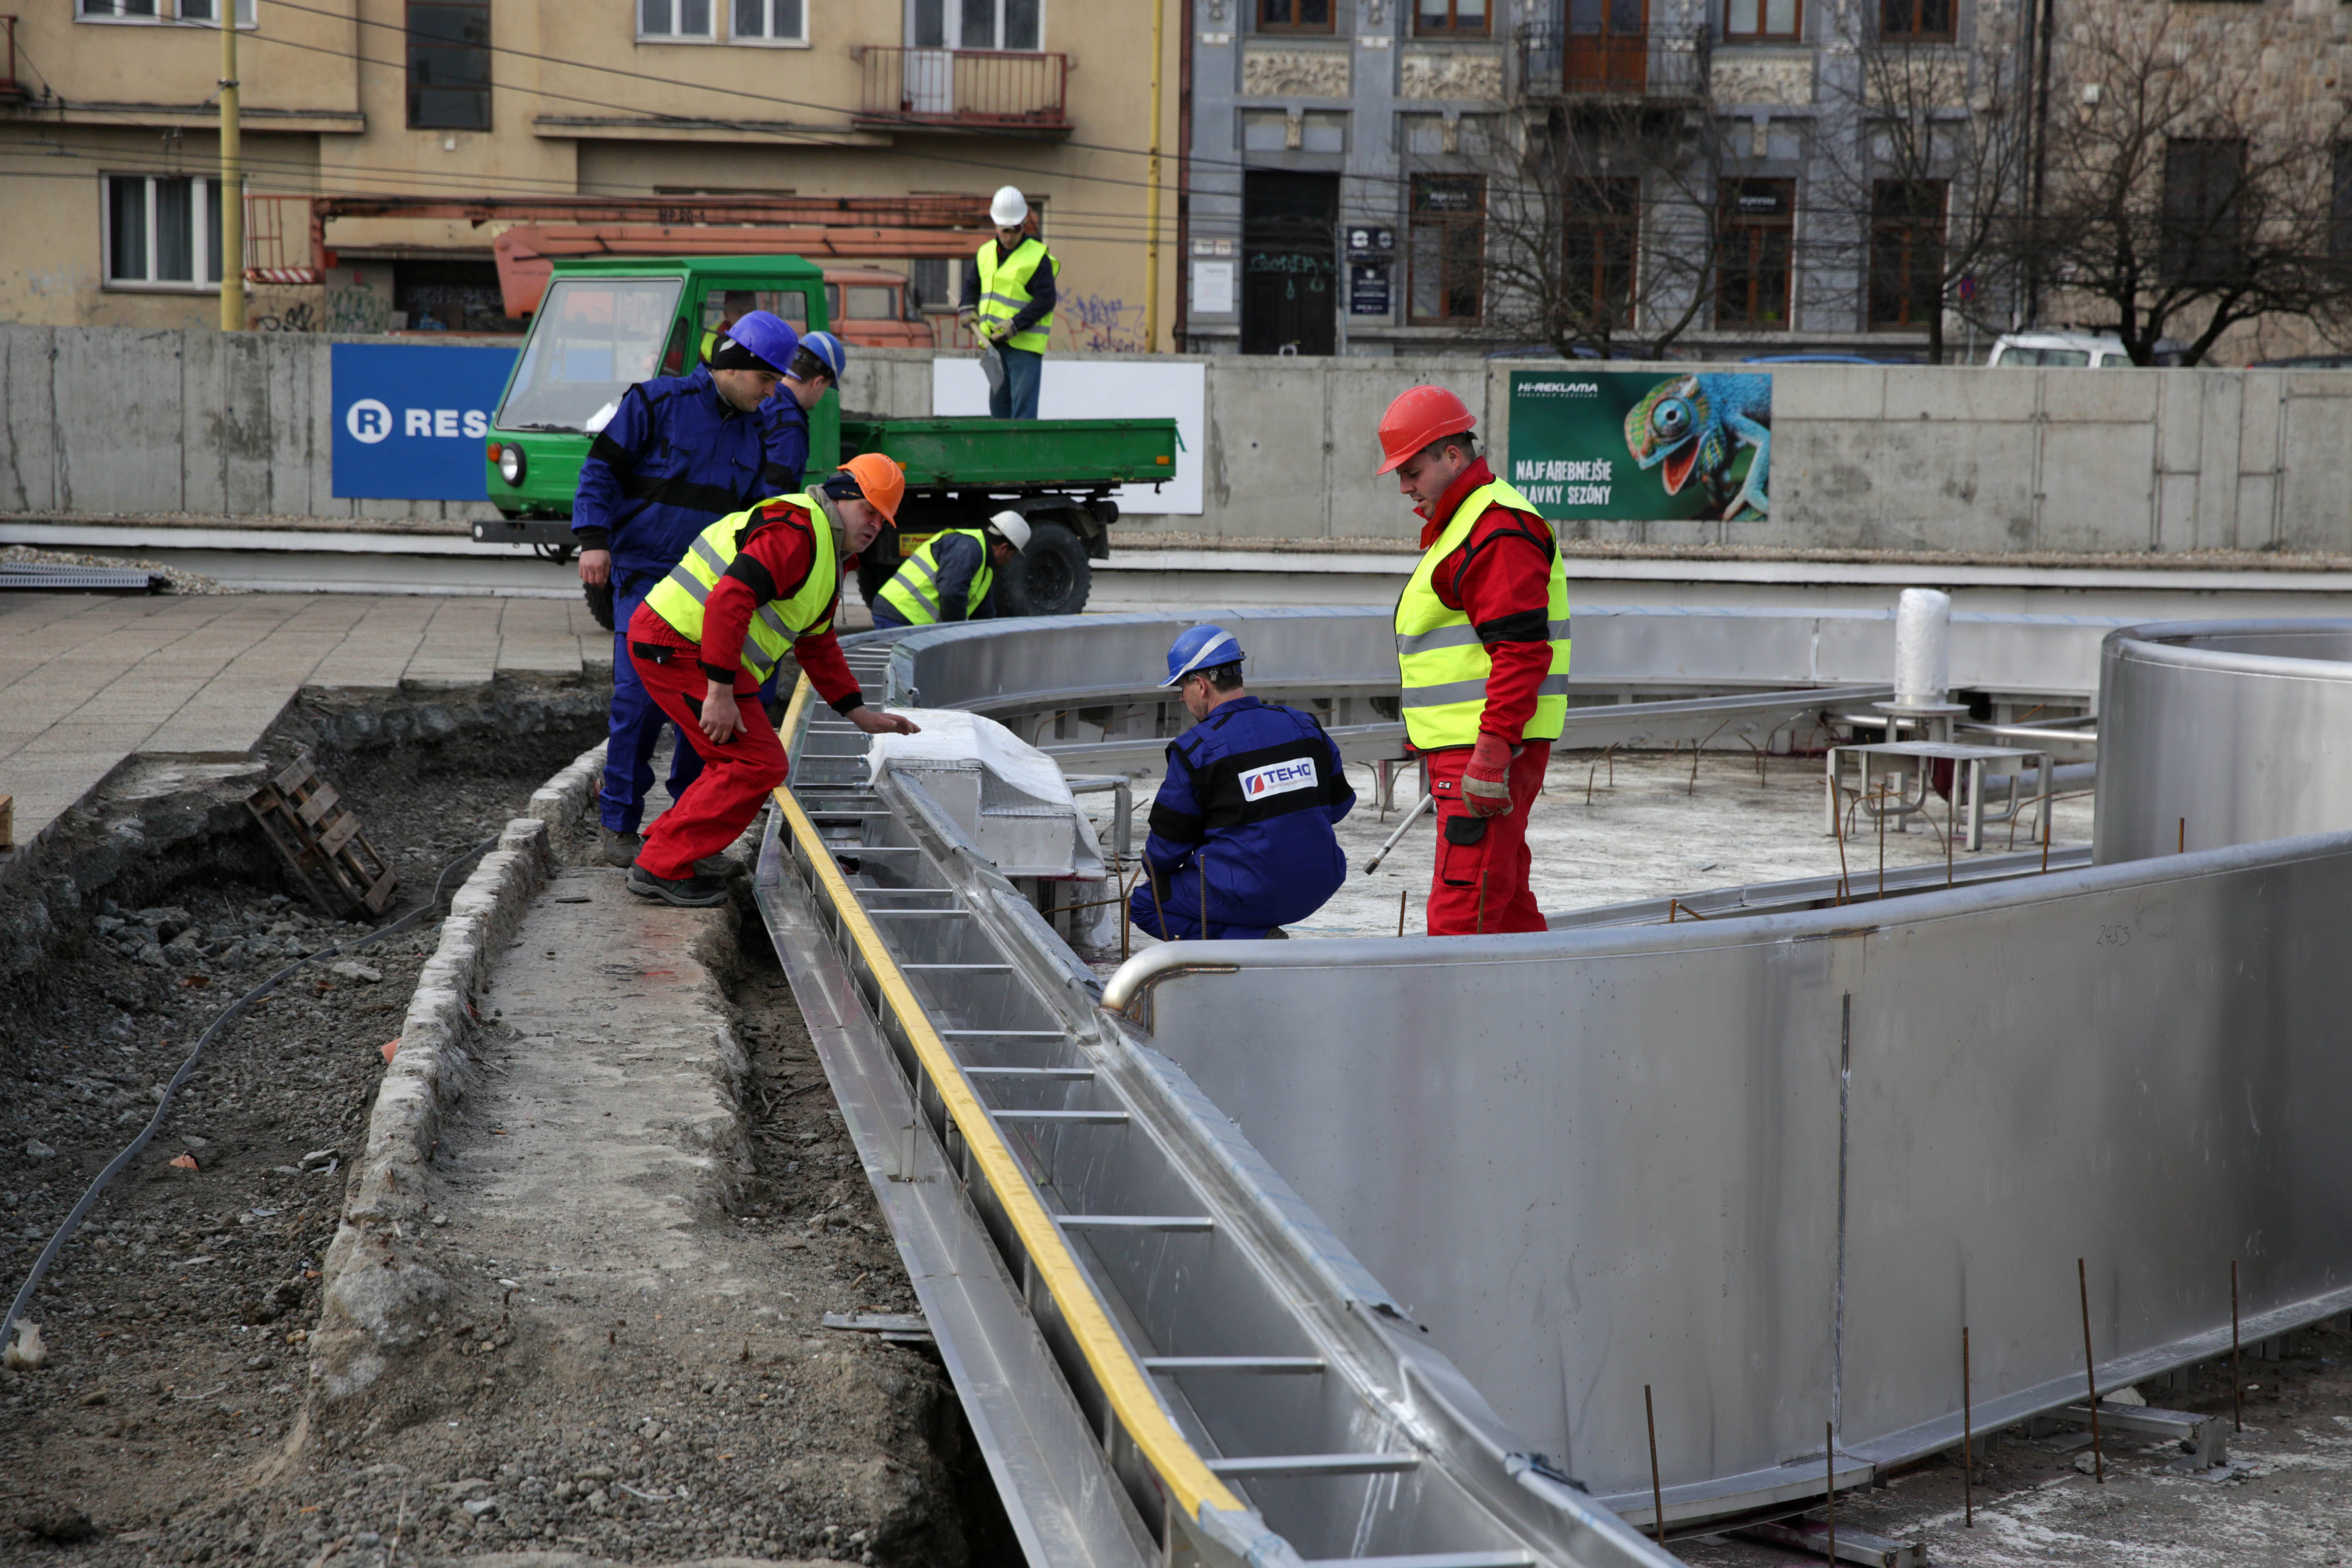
x,y
373,1303
560,801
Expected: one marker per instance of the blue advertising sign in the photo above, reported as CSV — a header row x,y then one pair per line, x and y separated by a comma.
x,y
411,419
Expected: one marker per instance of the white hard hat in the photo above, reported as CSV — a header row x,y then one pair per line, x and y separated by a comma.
x,y
1013,527
1008,207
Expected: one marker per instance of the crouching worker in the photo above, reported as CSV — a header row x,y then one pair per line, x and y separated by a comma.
x,y
953,576
753,587
1241,836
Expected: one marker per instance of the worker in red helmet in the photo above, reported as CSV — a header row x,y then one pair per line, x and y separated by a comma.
x,y
1482,647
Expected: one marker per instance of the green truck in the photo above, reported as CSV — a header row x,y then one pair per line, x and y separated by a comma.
x,y
607,322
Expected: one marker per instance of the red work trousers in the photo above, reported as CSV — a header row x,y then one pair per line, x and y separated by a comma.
x,y
736,777
1482,887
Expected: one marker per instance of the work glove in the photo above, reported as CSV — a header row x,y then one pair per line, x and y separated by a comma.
x,y
1487,781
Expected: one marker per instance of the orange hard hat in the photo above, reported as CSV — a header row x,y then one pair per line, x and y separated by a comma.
x,y
1420,416
880,480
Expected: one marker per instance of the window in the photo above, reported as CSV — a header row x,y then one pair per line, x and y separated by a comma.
x,y
2339,205
1906,251
160,11
1447,247
1450,18
1916,21
448,65
156,229
2198,240
1016,24
1603,226
1294,15
1755,234
770,22
1748,20
674,18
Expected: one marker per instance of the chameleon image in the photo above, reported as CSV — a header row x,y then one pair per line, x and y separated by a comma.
x,y
1697,422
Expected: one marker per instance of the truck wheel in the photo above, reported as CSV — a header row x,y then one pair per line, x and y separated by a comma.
x,y
600,602
1056,575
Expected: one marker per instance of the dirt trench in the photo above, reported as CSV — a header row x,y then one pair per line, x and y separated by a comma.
x,y
175,1422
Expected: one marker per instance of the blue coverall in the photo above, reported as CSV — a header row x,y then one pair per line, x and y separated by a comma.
x,y
675,458
1251,794
959,558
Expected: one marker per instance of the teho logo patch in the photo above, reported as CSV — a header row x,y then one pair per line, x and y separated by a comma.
x,y
1278,778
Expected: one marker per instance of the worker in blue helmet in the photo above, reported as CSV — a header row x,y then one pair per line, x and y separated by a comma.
x,y
675,454
1240,839
815,370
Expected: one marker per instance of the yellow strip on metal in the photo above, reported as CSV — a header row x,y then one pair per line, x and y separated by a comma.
x,y
1189,1480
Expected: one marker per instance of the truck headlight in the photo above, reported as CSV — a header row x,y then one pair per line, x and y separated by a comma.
x,y
511,463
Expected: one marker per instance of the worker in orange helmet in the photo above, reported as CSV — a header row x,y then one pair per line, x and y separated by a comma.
x,y
752,588
1482,648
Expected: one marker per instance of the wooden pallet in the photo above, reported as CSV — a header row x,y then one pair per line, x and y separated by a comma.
x,y
318,837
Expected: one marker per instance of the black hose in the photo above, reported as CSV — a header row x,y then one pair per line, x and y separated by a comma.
x,y
114,1168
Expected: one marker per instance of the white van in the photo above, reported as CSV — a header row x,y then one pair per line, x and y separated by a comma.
x,y
2077,349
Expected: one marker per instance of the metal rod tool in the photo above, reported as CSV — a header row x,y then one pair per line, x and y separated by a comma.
x,y
1410,817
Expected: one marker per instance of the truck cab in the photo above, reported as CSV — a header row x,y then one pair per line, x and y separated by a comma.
x,y
605,324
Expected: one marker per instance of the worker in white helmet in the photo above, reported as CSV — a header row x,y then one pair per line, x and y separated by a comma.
x,y
1008,301
953,576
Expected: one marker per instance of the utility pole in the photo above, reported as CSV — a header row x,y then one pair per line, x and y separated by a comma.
x,y
232,182
1152,196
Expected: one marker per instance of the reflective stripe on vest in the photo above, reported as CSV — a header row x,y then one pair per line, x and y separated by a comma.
x,y
1005,292
678,598
1443,664
914,591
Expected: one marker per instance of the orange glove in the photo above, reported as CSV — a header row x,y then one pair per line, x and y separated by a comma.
x,y
1487,781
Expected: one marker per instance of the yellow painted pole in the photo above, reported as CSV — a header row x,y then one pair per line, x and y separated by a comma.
x,y
1152,196
232,182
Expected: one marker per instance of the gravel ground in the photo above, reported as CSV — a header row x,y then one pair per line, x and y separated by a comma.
x,y
173,1422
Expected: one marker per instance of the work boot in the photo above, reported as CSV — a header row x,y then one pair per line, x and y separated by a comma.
x,y
695,892
618,849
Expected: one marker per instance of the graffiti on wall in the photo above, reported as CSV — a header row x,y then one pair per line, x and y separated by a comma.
x,y
341,311
1094,323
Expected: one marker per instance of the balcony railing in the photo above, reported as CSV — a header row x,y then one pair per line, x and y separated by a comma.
x,y
1561,59
964,89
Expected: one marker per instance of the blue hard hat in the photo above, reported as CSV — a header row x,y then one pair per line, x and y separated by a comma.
x,y
1198,648
829,352
765,336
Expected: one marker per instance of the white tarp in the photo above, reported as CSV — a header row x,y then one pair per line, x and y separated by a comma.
x,y
951,735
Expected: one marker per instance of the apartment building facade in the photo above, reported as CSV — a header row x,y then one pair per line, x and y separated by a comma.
x,y
109,160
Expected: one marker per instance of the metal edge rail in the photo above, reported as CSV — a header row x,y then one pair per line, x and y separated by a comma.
x,y
1214,1520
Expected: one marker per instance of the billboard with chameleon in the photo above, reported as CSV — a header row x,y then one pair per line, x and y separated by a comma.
x,y
1612,446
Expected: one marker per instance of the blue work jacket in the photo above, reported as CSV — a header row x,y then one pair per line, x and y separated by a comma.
x,y
675,458
1251,794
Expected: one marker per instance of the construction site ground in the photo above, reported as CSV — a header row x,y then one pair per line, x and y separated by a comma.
x,y
642,1235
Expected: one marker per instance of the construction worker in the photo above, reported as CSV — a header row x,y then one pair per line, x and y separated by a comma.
x,y
1483,645
678,452
952,577
1008,301
1242,826
753,586
733,306
815,370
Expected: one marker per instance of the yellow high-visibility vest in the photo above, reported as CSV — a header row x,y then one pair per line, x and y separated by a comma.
x,y
1443,664
1005,292
914,590
678,598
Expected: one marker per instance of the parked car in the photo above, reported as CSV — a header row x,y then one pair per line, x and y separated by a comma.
x,y
868,306
1835,359
2094,350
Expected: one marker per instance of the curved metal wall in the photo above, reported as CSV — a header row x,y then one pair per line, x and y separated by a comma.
x,y
2218,732
1590,1161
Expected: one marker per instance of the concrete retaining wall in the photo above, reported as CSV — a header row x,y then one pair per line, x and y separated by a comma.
x,y
115,420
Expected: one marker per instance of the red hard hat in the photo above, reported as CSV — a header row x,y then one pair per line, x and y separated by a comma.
x,y
1420,416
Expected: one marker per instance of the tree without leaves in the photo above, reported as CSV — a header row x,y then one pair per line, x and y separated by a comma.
x,y
1929,178
2171,200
